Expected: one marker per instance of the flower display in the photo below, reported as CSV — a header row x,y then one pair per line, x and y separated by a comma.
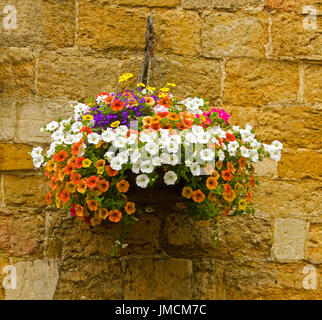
x,y
136,132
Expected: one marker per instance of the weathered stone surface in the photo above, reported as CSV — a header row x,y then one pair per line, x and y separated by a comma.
x,y
236,236
67,76
15,156
228,34
251,82
88,279
36,280
292,5
291,39
21,232
266,168
300,164
52,249
8,122
208,279
25,190
17,69
294,126
40,23
4,262
289,239
150,3
35,114
257,280
197,4
287,199
180,32
235,4
174,279
125,27
312,84
205,81
314,245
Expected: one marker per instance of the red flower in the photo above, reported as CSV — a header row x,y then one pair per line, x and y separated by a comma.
x,y
227,175
230,137
86,129
48,198
91,182
111,172
117,105
78,163
60,156
64,196
75,148
163,114
69,169
181,126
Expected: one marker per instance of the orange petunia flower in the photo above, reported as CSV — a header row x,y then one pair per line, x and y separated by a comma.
x,y
69,169
187,115
155,126
79,210
103,213
61,175
75,148
188,124
72,160
166,126
155,120
53,183
50,165
92,205
230,137
79,162
180,126
86,129
115,215
64,196
187,192
91,182
231,167
227,175
111,172
130,207
75,178
117,105
147,121
100,163
166,101
70,187
212,197
173,116
249,196
149,101
198,196
48,198
60,156
242,162
123,186
103,186
252,182
211,183
81,186
227,189
229,197
215,174
109,99
219,164
226,211
163,114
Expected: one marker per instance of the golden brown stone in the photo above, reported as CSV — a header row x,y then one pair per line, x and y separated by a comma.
x,y
15,156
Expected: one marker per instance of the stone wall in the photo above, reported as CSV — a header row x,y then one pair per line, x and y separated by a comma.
x,y
255,58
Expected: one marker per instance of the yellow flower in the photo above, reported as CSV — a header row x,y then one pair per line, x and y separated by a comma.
x,y
125,77
171,84
164,89
115,124
86,163
242,204
88,117
100,170
140,84
150,88
162,95
202,117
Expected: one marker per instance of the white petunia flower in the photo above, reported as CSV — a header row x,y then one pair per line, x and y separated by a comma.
x,y
170,178
116,164
122,130
156,161
244,152
152,148
142,180
94,138
136,167
275,154
76,127
165,158
195,169
221,155
37,161
277,145
36,152
207,154
174,160
119,142
146,166
109,156
52,126
108,135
